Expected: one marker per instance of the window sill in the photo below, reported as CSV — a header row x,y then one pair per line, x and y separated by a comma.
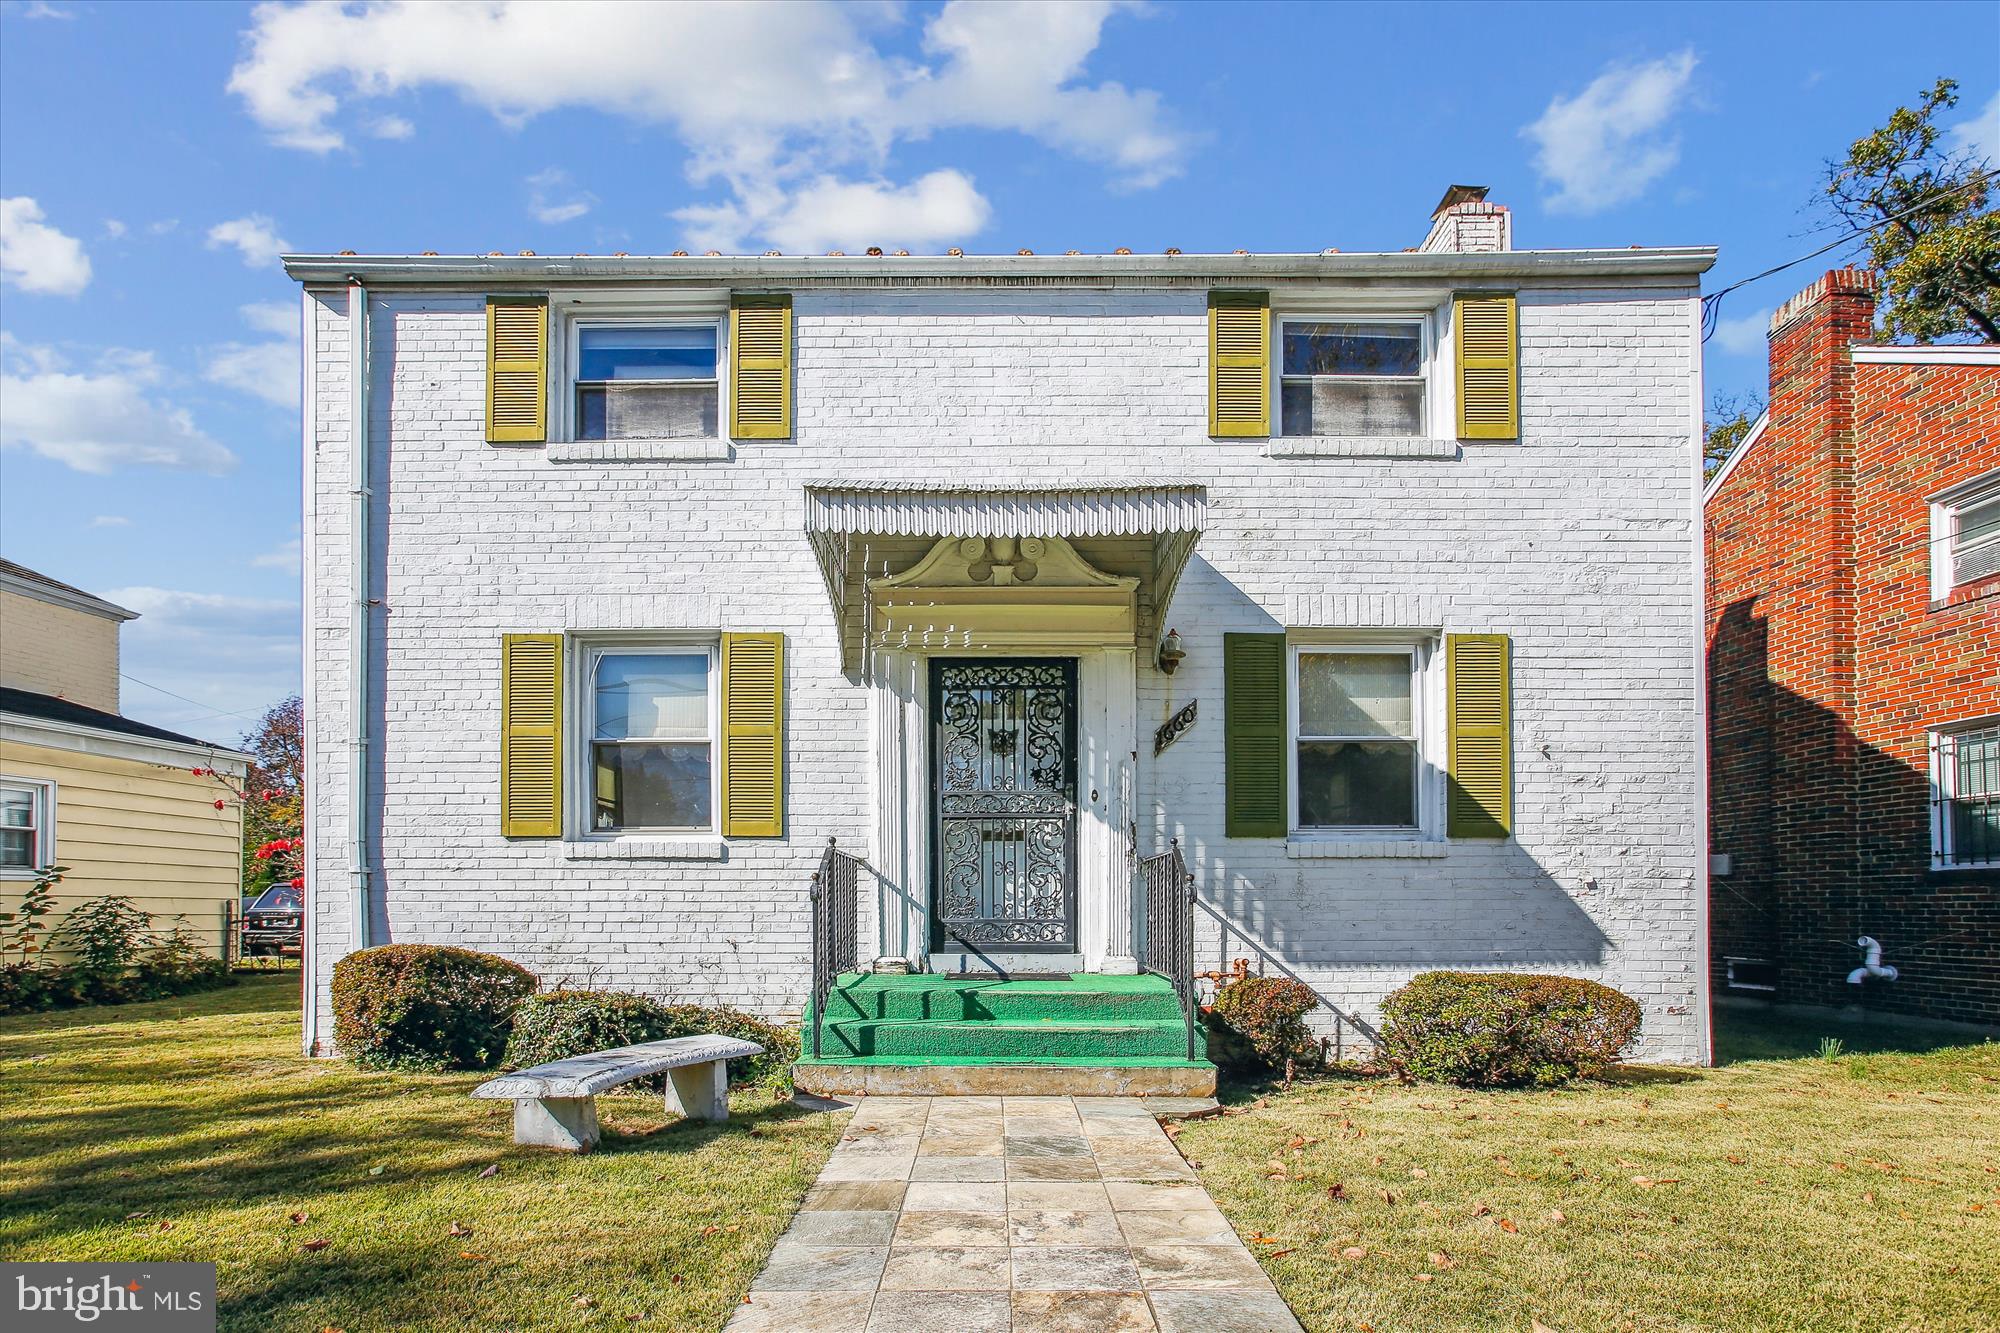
x,y
693,848
1360,446
1976,590
1353,849
707,450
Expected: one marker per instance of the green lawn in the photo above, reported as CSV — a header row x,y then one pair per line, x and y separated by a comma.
x,y
1780,1191
192,1129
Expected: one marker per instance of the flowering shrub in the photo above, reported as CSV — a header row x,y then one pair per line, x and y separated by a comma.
x,y
1501,1029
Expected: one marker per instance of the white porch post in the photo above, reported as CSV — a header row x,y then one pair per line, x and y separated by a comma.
x,y
1120,710
902,827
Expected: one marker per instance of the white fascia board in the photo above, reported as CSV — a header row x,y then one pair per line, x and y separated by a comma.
x,y
1749,441
1949,354
19,729
64,597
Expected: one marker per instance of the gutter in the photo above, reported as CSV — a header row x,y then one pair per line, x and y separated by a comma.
x,y
359,526
1464,267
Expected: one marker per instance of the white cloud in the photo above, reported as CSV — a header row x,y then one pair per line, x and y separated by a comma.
x,y
234,655
286,557
110,521
552,199
268,370
100,419
41,9
114,228
1604,146
255,238
1747,335
853,215
767,110
1979,137
391,127
35,256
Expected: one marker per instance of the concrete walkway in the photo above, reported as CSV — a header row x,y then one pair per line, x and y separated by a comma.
x,y
991,1214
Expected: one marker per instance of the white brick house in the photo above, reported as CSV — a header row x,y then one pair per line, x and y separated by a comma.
x,y
922,461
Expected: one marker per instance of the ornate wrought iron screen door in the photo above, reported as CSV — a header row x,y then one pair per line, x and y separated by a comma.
x,y
1003,766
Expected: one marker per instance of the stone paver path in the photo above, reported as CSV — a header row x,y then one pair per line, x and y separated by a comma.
x,y
992,1214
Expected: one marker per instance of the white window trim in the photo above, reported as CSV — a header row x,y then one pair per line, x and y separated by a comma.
x,y
1438,407
585,648
1427,712
1939,745
1944,509
45,825
574,318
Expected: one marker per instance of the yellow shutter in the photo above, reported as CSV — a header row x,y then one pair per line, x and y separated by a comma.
x,y
760,367
531,675
1489,375
753,735
517,344
1239,363
1479,723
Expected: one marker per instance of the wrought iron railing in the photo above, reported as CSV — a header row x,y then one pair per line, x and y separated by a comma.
x,y
1169,897
836,909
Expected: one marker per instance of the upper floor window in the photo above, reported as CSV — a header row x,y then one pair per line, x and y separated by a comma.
x,y
651,729
1965,535
1357,751
26,811
1965,796
646,381
1353,377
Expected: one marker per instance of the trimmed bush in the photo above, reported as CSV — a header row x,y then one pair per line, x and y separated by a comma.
x,y
1504,1030
426,1006
562,1023
1258,1023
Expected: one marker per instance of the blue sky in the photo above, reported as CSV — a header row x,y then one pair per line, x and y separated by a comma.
x,y
154,159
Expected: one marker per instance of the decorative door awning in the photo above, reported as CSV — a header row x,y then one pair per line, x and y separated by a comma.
x,y
890,537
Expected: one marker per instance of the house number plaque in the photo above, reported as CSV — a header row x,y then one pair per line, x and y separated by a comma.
x,y
1174,728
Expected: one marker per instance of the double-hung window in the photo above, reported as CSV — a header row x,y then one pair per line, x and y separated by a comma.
x,y
652,739
1965,535
1357,752
27,841
1353,377
646,381
1965,796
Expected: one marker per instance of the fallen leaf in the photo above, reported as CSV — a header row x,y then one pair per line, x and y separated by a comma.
x,y
490,1172
458,1229
732,1227
376,1170
710,1230
1388,1198
1418,1173
468,1254
166,1226
296,1218
1734,1160
1537,1326
1420,1277
1297,1141
1556,1216
1480,1210
145,1212
1354,1252
1279,1254
315,1245
1647,1182
1439,1259
1868,1197
1337,1192
1508,1226
584,1303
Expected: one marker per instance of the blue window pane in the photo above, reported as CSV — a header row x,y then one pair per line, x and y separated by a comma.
x,y
646,354
652,696
1353,349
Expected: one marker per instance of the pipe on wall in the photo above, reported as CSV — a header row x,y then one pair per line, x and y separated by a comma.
x,y
1871,964
360,522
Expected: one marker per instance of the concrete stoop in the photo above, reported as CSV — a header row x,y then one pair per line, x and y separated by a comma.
x,y
925,1035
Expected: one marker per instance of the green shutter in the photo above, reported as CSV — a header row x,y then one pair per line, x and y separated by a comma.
x,y
760,367
753,735
1486,329
1253,735
531,674
1239,364
517,383
1479,725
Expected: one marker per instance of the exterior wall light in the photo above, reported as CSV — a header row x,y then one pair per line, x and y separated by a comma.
x,y
1171,652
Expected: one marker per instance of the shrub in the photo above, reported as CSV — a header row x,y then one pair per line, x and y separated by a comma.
x,y
104,934
1497,1030
562,1023
1258,1023
426,1006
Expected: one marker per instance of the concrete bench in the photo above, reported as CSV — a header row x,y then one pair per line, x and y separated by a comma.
x,y
555,1105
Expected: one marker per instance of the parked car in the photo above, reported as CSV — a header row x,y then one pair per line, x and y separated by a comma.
x,y
275,923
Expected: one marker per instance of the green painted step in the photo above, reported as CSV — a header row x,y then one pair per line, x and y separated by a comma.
x,y
961,1061
956,1000
1104,1042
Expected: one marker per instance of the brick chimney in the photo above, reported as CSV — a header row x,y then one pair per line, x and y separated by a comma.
x,y
1464,221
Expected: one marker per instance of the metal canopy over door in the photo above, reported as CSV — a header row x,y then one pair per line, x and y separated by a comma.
x,y
1003,775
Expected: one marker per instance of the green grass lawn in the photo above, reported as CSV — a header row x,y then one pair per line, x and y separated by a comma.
x,y
1779,1191
191,1129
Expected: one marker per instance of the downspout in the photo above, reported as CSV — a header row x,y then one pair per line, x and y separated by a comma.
x,y
359,526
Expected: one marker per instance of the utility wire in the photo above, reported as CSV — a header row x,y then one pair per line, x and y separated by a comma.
x,y
212,712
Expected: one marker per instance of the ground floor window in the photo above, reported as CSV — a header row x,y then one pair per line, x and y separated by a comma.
x,y
27,817
651,726
1965,796
1357,751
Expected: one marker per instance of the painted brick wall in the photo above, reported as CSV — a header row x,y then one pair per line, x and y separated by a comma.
x,y
1579,542
49,649
1828,663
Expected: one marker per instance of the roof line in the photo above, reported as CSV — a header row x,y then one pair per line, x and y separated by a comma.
x,y
1750,437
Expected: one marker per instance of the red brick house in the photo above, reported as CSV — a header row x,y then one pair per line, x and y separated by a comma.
x,y
1853,602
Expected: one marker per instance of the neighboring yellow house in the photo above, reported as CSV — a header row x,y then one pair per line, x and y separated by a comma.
x,y
116,801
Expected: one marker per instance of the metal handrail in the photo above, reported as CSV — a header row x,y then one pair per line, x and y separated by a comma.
x,y
1342,1019
836,898
1169,897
